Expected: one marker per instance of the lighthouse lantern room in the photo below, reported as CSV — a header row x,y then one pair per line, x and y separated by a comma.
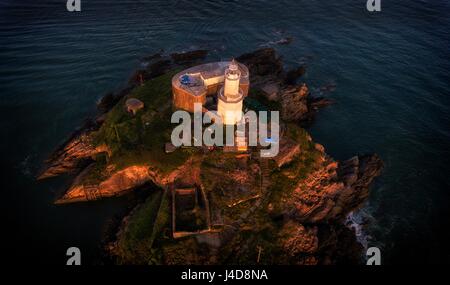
x,y
230,96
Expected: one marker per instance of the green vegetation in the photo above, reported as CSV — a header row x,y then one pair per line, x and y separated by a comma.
x,y
285,180
96,171
146,224
134,244
181,252
140,139
307,159
258,246
224,191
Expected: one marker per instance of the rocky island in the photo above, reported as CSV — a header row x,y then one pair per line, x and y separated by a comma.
x,y
207,206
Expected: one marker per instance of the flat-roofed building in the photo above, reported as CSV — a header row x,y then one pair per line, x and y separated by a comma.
x,y
194,84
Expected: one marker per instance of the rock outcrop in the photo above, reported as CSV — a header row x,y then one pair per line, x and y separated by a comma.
x,y
294,103
72,156
268,75
297,239
335,190
288,150
119,182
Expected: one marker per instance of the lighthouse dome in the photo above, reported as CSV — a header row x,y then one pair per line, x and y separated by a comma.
x,y
233,66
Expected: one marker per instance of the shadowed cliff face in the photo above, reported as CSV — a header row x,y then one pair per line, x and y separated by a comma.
x,y
291,208
71,156
334,190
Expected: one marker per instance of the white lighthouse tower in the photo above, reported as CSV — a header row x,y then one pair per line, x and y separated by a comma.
x,y
230,96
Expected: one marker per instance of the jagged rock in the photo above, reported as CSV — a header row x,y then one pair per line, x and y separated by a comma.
x,y
285,41
319,102
296,239
106,102
338,245
123,180
294,103
333,191
271,90
138,77
328,88
349,170
368,167
72,155
118,182
288,149
319,147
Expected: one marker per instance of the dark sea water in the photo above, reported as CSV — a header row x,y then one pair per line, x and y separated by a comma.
x,y
392,97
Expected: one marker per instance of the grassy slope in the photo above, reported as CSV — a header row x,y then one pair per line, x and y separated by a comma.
x,y
135,244
140,139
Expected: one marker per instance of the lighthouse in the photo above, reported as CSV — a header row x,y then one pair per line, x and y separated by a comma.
x,y
230,96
